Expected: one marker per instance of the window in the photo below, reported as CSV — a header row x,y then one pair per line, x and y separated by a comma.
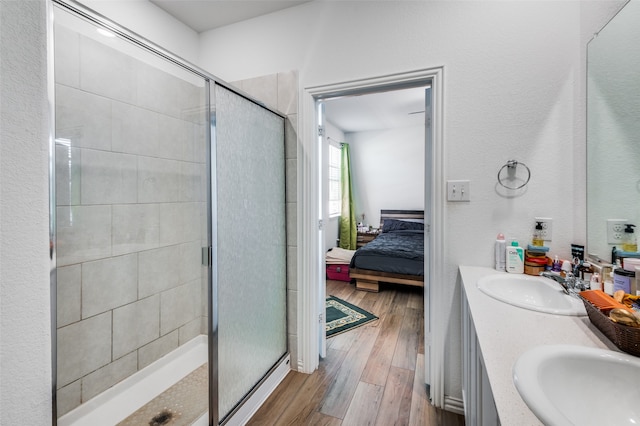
x,y
335,193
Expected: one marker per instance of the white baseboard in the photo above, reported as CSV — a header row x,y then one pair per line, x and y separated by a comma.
x,y
455,405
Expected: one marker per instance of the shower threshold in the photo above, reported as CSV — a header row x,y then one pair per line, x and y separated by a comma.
x,y
125,398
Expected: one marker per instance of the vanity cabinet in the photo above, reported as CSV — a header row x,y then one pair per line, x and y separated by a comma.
x,y
479,405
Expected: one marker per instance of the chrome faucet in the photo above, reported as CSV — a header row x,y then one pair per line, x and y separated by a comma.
x,y
566,284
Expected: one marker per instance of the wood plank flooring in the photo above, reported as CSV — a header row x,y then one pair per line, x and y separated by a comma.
x,y
372,375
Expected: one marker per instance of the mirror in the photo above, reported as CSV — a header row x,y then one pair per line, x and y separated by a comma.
x,y
613,129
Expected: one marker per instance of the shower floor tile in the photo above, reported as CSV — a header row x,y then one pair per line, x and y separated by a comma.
x,y
180,405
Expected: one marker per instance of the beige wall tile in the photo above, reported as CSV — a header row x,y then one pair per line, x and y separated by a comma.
x,y
159,270
83,347
135,325
84,233
135,227
190,330
157,349
68,307
69,397
67,175
102,379
291,137
288,92
108,178
158,180
107,72
83,118
108,284
134,130
178,306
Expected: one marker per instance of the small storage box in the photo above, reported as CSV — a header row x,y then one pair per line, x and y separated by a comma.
x,y
338,272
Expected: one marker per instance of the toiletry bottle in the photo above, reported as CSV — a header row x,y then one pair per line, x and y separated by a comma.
x,y
608,284
500,252
538,237
622,280
594,282
629,239
515,258
557,265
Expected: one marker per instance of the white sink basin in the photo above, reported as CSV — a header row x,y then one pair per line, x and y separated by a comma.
x,y
529,292
575,385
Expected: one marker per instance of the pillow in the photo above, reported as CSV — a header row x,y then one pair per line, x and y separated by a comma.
x,y
400,225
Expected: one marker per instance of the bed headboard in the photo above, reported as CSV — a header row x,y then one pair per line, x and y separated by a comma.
x,y
417,215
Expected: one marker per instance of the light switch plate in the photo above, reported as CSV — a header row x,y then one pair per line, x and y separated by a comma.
x,y
458,190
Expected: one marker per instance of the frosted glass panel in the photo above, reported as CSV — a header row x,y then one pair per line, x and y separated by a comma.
x,y
251,244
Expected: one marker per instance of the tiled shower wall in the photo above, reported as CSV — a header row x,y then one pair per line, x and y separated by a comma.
x,y
280,91
130,170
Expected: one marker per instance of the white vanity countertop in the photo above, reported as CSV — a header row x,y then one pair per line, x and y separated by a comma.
x,y
504,332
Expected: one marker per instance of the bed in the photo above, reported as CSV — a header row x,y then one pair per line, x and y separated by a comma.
x,y
395,256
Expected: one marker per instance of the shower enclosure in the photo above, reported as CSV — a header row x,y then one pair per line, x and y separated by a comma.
x,y
170,253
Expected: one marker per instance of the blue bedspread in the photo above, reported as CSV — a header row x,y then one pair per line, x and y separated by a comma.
x,y
400,252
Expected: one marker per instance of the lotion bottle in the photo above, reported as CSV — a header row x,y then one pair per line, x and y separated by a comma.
x,y
500,253
515,258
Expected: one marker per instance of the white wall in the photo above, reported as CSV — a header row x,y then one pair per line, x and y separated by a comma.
x,y
387,171
152,23
25,326
514,89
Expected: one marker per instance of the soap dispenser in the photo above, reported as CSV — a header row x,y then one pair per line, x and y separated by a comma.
x,y
538,236
629,243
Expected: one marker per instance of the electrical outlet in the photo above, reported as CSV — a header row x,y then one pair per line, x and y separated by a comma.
x,y
615,230
546,226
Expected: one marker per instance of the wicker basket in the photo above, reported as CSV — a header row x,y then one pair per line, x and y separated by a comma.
x,y
624,337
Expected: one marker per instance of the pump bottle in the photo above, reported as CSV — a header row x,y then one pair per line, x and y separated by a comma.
x,y
538,237
515,258
629,239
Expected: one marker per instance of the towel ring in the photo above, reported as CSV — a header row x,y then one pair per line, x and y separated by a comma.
x,y
511,166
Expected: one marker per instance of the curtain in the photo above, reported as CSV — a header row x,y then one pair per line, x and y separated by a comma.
x,y
348,230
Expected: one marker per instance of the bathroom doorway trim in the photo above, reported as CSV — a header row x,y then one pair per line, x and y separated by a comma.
x,y
310,253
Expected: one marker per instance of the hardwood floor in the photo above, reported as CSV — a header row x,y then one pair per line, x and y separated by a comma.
x,y
372,375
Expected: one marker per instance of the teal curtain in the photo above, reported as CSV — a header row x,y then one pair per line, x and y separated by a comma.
x,y
348,229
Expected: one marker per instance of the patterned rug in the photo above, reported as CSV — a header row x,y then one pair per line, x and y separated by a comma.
x,y
343,316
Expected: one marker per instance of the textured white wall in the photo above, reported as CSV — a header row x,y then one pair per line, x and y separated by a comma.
x,y
514,89
25,326
388,171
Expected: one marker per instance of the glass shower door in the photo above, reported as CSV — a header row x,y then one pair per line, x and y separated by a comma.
x,y
250,239
131,219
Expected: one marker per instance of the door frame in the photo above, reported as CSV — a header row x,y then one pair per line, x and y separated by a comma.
x,y
310,271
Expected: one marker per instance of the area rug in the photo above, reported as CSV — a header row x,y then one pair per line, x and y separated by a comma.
x,y
343,316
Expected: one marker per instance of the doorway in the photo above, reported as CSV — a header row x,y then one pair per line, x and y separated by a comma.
x,y
312,294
